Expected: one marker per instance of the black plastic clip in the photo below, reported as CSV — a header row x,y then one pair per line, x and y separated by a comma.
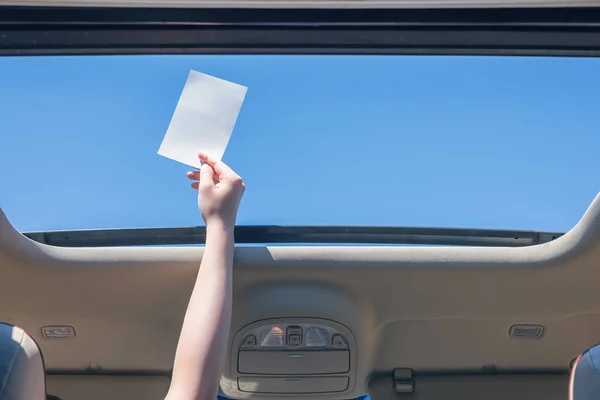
x,y
403,380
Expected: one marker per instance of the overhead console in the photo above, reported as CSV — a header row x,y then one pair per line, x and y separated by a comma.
x,y
292,357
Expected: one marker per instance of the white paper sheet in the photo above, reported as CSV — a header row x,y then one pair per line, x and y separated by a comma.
x,y
203,119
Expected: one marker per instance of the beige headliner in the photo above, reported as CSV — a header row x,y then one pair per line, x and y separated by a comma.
x,y
427,308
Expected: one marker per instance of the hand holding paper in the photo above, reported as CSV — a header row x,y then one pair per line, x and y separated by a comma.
x,y
220,190
203,119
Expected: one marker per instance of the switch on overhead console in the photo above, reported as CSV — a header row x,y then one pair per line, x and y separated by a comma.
x,y
249,341
338,341
294,336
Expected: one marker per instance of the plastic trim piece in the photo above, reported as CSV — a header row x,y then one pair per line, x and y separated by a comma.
x,y
502,31
230,379
298,235
291,363
403,380
361,4
293,386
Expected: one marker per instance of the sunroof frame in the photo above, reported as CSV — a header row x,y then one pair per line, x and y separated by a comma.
x,y
573,32
46,31
265,234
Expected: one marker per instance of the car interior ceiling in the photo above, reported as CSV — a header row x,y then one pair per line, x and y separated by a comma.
x,y
427,323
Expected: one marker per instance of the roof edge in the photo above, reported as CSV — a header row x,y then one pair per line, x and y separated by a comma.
x,y
306,4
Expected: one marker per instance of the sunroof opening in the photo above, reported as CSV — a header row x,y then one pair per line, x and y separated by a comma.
x,y
481,142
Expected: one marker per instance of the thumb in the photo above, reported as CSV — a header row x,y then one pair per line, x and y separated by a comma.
x,y
206,178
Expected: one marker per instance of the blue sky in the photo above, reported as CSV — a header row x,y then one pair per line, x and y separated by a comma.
x,y
321,140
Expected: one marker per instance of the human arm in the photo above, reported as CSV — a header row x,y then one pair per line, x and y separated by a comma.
x,y
204,336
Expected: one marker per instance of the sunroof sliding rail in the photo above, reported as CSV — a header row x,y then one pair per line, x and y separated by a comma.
x,y
357,235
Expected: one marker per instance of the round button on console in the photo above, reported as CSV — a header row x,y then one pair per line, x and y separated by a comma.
x,y
338,341
249,341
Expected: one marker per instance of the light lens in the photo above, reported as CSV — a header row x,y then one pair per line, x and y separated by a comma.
x,y
273,338
317,337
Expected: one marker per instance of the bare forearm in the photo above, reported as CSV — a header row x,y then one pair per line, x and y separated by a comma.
x,y
203,342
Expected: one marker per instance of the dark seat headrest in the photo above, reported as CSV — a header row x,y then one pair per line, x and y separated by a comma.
x,y
584,383
22,370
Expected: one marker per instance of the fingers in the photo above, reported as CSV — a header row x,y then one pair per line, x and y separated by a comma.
x,y
194,175
219,166
206,177
211,172
205,158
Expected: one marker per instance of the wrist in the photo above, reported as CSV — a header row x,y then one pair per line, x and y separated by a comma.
x,y
220,241
220,227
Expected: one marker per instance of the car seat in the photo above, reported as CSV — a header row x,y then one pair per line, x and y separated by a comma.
x,y
22,370
584,383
